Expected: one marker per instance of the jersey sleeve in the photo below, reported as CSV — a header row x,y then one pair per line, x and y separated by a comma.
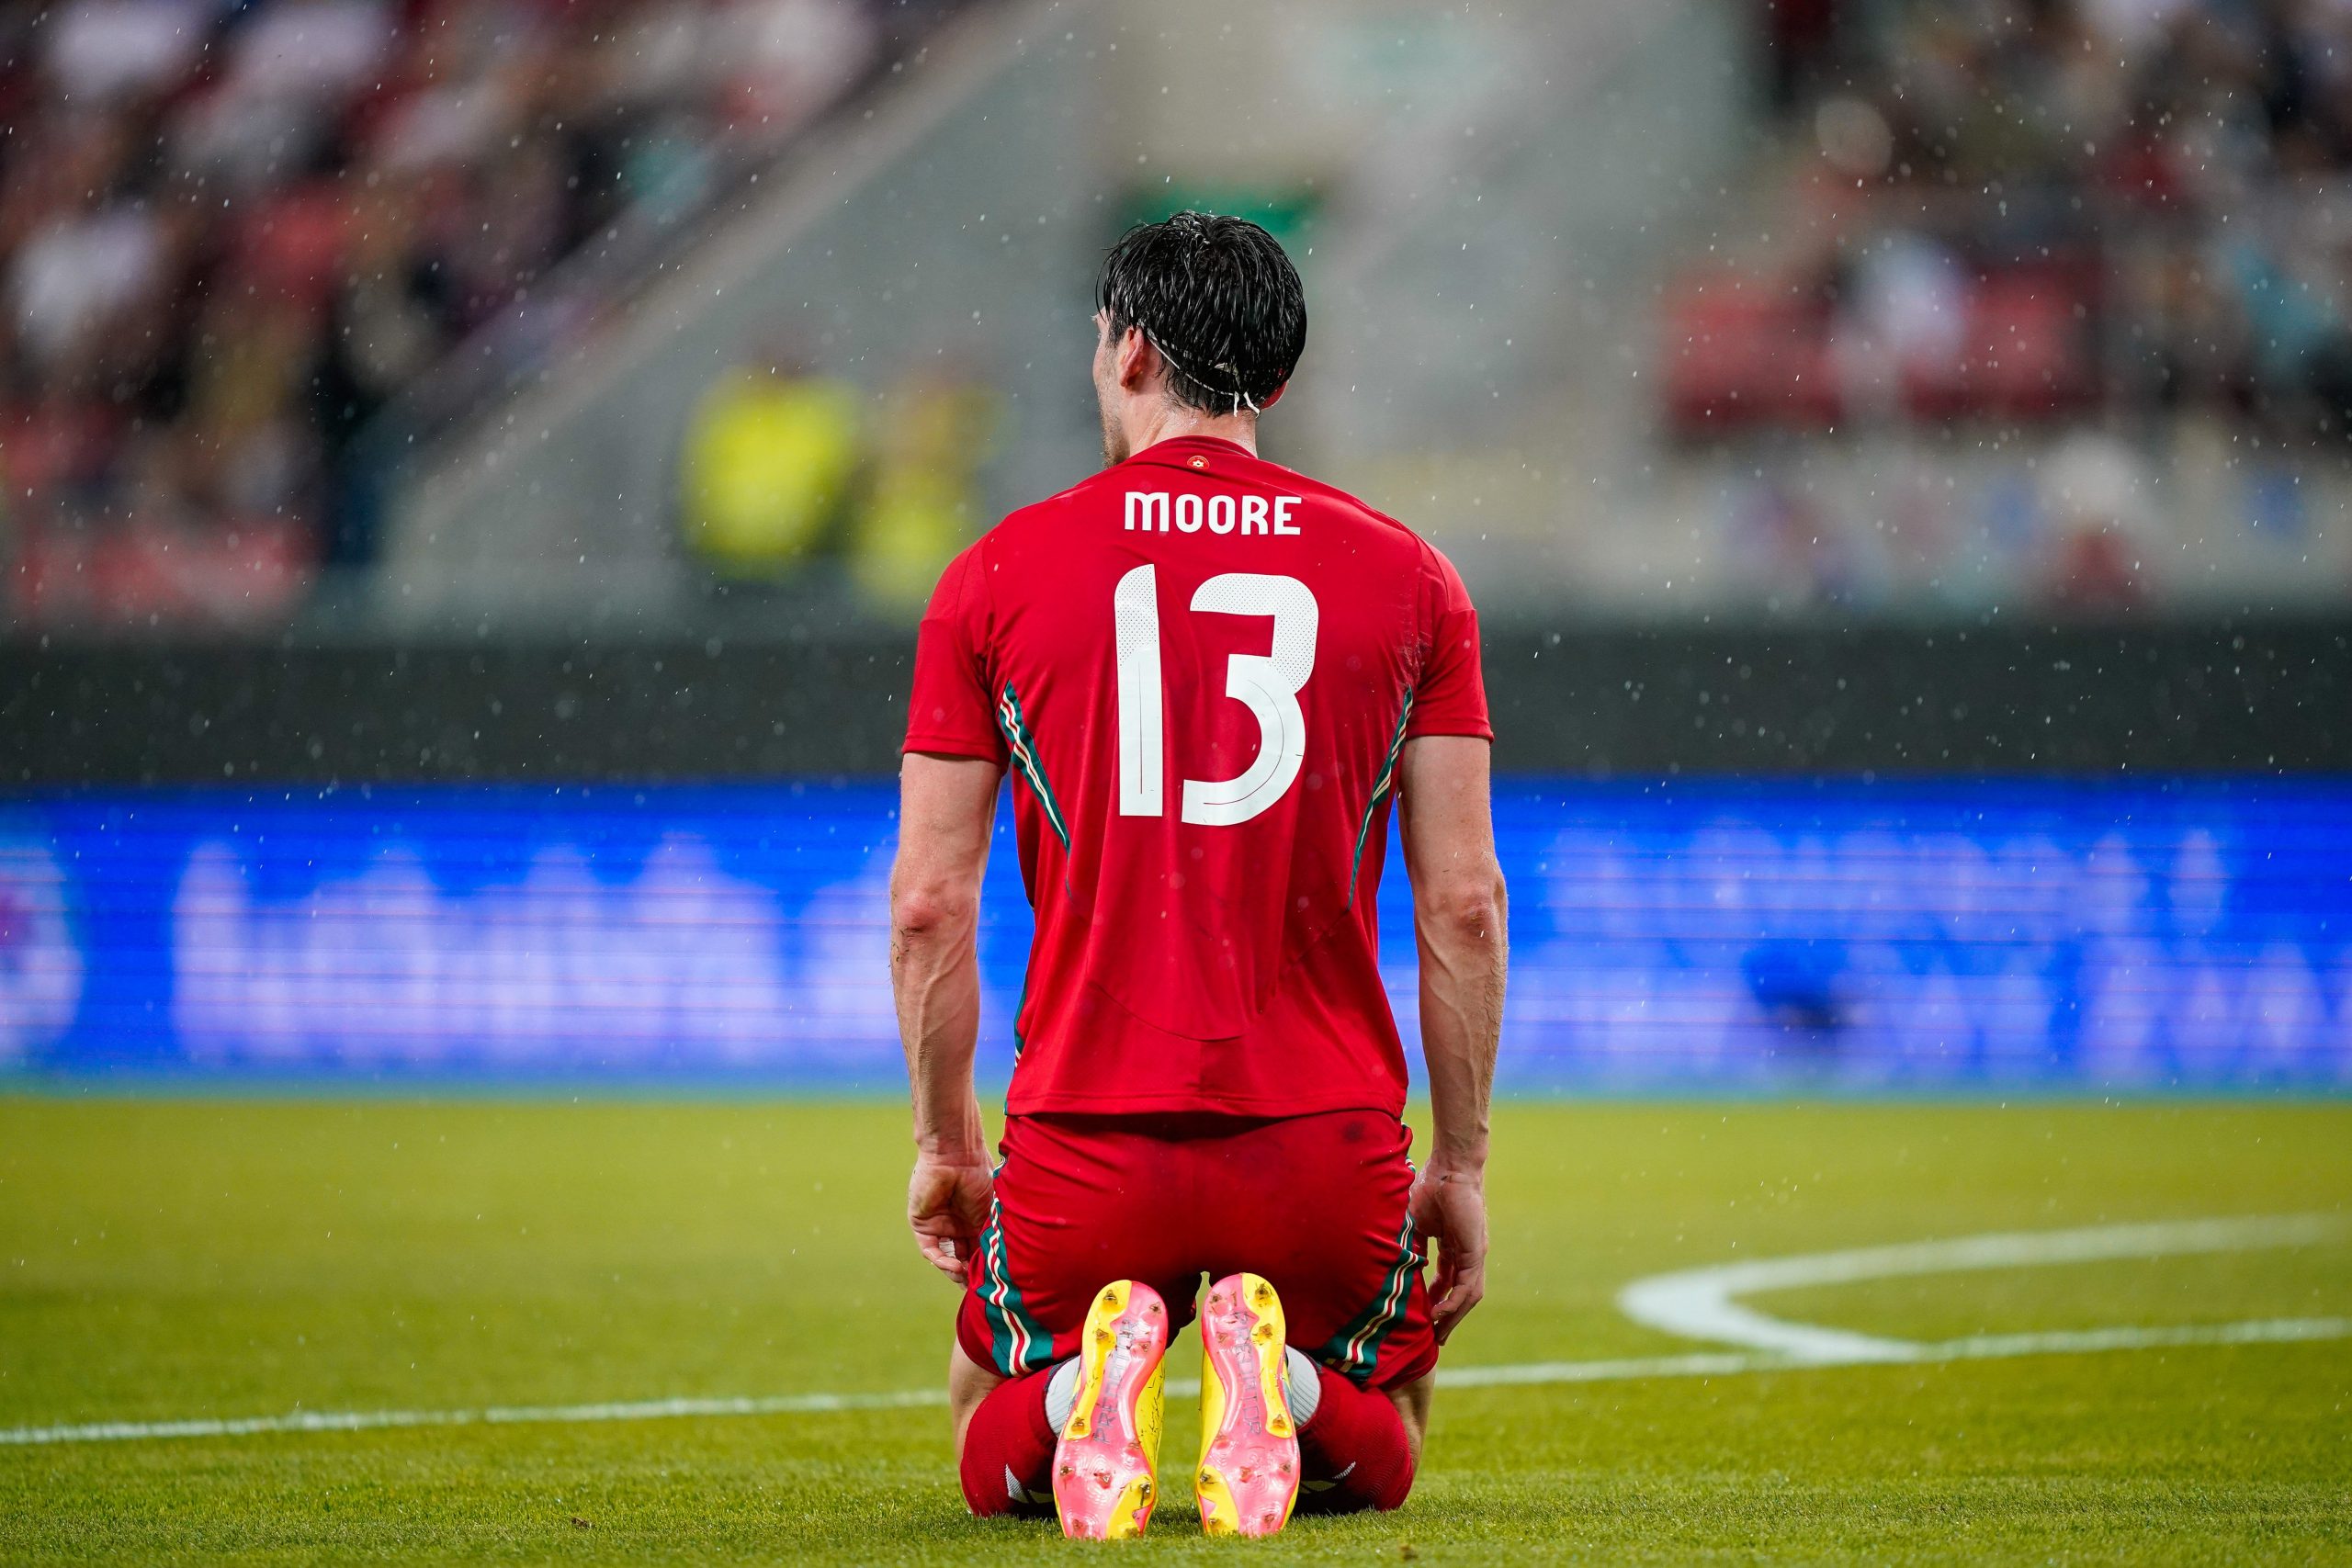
x,y
1451,697
950,709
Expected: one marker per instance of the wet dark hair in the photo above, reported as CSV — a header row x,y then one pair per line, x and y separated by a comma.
x,y
1217,297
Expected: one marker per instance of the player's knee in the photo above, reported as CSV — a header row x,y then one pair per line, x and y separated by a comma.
x,y
990,1491
1386,1487
1376,1485
1360,1450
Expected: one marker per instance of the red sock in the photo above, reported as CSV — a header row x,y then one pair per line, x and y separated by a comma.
x,y
1352,1454
1008,1464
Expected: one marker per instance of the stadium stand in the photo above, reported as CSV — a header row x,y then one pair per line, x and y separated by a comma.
x,y
1912,308
231,234
2032,213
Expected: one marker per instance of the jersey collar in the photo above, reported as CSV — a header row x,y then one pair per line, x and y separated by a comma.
x,y
1174,452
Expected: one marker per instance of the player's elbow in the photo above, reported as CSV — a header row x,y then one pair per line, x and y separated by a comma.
x,y
1467,910
931,912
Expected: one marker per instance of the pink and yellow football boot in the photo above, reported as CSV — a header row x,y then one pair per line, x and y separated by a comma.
x,y
1247,1477
1107,1460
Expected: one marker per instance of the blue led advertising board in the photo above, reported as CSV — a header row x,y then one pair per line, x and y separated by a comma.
x,y
2169,934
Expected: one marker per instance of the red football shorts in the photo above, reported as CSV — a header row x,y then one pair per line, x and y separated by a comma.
x,y
1316,1204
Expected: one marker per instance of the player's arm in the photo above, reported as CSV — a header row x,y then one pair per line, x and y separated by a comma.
x,y
1458,920
946,805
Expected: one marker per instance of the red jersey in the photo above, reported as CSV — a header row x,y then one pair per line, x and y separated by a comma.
x,y
1201,666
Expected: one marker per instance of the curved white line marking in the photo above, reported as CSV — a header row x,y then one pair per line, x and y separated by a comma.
x,y
1701,1304
1713,1287
1990,1347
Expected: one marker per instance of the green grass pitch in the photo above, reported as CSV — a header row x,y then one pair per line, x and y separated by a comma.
x,y
163,1259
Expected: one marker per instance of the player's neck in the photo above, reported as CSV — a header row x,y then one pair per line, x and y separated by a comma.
x,y
1148,427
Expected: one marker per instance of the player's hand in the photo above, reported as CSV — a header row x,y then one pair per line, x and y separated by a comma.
x,y
1450,1208
947,1207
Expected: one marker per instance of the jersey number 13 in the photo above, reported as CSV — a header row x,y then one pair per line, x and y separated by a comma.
x,y
1267,683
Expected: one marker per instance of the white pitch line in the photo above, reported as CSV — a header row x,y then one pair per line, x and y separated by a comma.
x,y
2089,1341
494,1416
1978,1347
1821,1349
2266,1331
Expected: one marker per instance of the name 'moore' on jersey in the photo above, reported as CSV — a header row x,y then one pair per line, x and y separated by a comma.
x,y
1199,667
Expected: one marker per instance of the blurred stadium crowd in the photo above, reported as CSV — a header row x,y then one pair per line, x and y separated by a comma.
x,y
2034,210
2032,304
233,231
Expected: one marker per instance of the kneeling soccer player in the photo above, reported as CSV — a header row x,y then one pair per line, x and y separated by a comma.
x,y
1211,674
